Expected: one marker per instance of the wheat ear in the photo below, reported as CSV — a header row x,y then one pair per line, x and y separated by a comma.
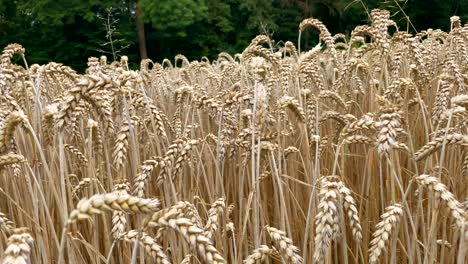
x,y
390,219
150,244
289,252
172,218
326,220
111,202
436,144
10,158
187,259
6,131
259,255
5,223
18,247
119,218
442,193
351,210
183,209
82,185
143,176
75,151
212,224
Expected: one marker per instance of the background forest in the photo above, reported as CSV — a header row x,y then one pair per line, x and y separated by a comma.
x,y
67,31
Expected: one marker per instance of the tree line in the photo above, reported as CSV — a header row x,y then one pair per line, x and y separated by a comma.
x,y
69,31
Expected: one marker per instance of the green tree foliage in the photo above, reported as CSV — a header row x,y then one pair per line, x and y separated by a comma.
x,y
65,31
210,32
426,14
260,14
69,31
173,15
59,12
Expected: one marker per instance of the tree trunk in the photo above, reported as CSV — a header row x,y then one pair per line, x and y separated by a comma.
x,y
141,32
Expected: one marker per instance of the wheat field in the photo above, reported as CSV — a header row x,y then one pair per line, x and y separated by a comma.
x,y
351,152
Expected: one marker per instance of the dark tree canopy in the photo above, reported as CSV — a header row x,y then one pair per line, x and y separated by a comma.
x,y
68,31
